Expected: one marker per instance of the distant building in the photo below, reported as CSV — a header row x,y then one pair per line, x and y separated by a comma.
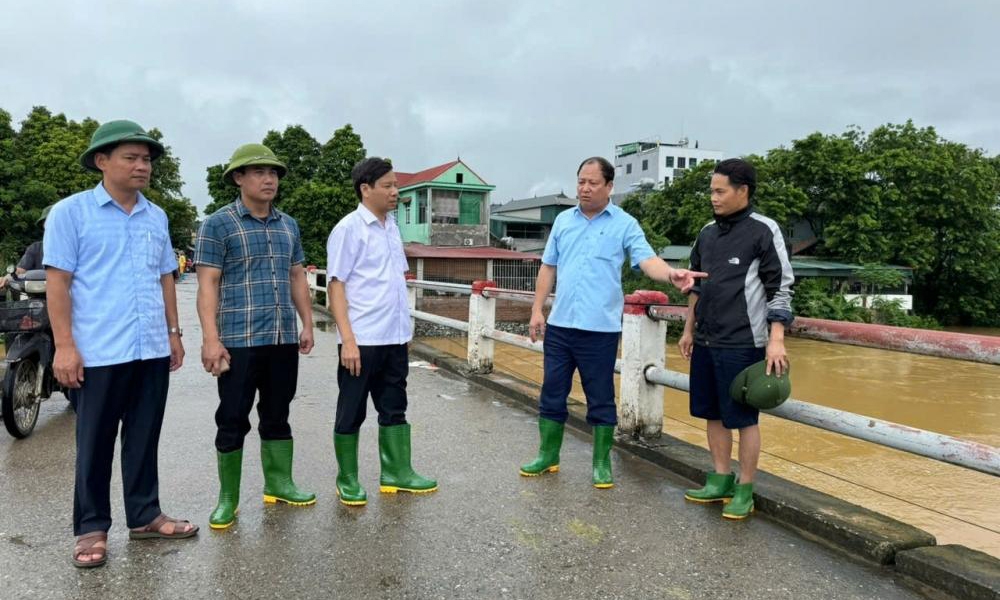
x,y
443,217
526,223
446,205
655,163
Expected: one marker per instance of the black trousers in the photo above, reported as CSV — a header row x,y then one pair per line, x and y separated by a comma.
x,y
383,375
135,395
271,370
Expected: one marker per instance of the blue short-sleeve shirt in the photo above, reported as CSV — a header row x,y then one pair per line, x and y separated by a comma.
x,y
588,255
117,260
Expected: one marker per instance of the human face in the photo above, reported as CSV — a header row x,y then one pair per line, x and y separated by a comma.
x,y
127,168
592,190
257,183
382,196
727,199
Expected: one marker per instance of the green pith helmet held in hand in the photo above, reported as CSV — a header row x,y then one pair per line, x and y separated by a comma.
x,y
252,154
118,132
752,386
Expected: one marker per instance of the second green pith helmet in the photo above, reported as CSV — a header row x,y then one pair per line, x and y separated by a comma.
x,y
752,386
252,154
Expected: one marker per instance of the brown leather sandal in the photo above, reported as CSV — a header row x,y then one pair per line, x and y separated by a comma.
x,y
87,544
152,530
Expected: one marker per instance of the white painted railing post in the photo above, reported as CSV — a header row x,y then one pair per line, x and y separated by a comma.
x,y
411,297
311,280
643,345
482,316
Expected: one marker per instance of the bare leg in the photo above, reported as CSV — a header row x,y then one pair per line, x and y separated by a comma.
x,y
720,443
749,452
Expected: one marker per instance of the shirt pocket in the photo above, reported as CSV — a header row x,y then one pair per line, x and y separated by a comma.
x,y
609,248
155,242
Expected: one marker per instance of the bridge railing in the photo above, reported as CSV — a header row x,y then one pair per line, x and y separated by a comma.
x,y
643,371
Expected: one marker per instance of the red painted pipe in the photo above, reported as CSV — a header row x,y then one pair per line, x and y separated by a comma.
x,y
944,344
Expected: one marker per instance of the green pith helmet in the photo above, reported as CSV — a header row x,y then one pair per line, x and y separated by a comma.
x,y
118,132
252,154
761,391
45,214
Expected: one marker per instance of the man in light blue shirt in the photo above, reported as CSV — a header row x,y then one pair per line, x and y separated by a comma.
x,y
587,248
113,307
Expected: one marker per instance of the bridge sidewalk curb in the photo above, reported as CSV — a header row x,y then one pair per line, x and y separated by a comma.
x,y
853,530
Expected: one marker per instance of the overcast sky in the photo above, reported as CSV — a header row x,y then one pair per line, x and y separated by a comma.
x,y
521,90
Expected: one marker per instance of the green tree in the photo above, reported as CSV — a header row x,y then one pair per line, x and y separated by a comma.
x,y
39,165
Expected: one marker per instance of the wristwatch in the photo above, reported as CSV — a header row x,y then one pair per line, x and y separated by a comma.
x,y
177,330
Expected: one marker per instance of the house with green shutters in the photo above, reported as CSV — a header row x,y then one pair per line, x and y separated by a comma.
x,y
446,205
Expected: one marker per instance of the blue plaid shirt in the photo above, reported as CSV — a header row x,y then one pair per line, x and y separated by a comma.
x,y
256,257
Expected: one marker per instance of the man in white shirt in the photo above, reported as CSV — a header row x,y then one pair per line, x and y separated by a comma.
x,y
367,289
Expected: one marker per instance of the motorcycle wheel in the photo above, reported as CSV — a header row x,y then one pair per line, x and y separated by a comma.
x,y
20,402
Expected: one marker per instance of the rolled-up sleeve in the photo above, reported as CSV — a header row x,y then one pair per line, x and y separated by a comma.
x,y
60,245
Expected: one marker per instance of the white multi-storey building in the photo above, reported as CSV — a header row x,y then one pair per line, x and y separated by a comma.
x,y
654,163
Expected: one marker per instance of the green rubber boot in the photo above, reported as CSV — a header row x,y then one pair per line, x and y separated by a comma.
x,y
349,490
551,436
230,471
604,438
276,458
741,505
718,488
397,472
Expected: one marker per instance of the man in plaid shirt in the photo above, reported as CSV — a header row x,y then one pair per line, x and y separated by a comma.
x,y
251,283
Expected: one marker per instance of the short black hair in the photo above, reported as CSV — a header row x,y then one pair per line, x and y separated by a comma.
x,y
369,171
739,172
607,169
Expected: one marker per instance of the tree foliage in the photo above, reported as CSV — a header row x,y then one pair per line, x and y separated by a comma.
x,y
898,195
39,166
317,190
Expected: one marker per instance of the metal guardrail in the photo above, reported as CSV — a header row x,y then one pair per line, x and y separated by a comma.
x,y
937,446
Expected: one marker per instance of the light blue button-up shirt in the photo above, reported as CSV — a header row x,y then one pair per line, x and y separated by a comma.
x,y
116,260
588,256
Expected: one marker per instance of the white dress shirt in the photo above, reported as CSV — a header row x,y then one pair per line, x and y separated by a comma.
x,y
367,256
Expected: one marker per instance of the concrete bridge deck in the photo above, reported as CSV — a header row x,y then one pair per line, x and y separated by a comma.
x,y
487,533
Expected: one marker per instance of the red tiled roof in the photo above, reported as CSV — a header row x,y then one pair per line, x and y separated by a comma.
x,y
481,252
408,179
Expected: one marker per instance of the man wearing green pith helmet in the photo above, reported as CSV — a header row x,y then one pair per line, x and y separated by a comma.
x,y
251,284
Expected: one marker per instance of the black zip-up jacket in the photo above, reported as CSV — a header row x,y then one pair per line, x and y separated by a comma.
x,y
749,281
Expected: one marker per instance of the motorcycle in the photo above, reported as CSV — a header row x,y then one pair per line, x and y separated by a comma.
x,y
29,379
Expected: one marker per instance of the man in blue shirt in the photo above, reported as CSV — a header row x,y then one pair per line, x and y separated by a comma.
x,y
113,307
251,283
586,248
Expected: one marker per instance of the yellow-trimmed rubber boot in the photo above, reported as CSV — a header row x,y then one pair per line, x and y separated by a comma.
x,y
604,438
397,471
741,505
550,435
349,490
276,458
718,488
230,472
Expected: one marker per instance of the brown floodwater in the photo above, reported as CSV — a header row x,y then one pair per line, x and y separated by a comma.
x,y
954,397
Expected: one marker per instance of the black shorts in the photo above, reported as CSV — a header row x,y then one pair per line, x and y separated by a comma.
x,y
712,372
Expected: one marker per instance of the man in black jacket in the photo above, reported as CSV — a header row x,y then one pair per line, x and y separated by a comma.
x,y
736,317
